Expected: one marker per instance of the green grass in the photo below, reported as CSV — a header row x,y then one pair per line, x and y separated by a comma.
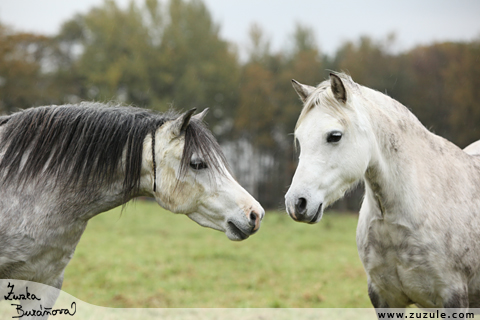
x,y
149,257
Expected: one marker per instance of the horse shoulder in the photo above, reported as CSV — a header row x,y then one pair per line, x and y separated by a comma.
x,y
400,257
36,241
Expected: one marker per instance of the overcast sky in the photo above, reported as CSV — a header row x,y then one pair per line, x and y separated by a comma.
x,y
413,21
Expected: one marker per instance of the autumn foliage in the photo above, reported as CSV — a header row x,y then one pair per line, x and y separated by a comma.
x,y
161,55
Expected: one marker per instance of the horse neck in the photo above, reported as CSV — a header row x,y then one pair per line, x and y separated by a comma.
x,y
112,195
403,152
79,202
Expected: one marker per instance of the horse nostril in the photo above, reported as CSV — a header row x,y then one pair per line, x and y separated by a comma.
x,y
253,218
301,206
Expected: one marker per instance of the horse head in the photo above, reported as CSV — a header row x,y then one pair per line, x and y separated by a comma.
x,y
189,175
334,148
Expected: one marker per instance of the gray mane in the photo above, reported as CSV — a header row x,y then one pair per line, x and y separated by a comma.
x,y
83,145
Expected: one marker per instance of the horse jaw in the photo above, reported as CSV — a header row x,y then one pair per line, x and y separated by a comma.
x,y
230,209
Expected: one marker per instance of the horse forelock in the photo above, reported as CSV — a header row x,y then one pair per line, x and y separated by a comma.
x,y
323,97
199,140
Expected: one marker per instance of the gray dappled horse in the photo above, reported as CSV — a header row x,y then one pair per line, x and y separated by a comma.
x,y
418,234
62,165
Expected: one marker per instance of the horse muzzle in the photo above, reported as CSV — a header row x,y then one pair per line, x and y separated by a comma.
x,y
298,210
238,231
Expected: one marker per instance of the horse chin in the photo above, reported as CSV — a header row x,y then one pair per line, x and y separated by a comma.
x,y
318,215
234,230
235,233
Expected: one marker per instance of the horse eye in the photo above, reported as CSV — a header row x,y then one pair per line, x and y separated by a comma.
x,y
334,136
198,164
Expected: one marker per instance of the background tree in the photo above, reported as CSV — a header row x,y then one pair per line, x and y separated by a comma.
x,y
442,95
152,57
113,60
253,123
25,79
195,67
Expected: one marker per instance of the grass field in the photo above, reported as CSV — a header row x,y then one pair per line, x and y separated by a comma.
x,y
148,257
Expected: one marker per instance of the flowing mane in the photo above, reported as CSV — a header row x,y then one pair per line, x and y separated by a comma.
x,y
84,144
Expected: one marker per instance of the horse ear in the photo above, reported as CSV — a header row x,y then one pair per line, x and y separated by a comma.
x,y
302,90
338,88
201,115
181,123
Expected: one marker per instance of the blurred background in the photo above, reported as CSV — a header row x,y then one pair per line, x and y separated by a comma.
x,y
237,58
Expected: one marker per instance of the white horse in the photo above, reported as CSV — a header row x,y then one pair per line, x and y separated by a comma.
x,y
418,234
62,165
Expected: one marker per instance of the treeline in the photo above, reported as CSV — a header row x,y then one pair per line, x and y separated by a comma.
x,y
170,54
